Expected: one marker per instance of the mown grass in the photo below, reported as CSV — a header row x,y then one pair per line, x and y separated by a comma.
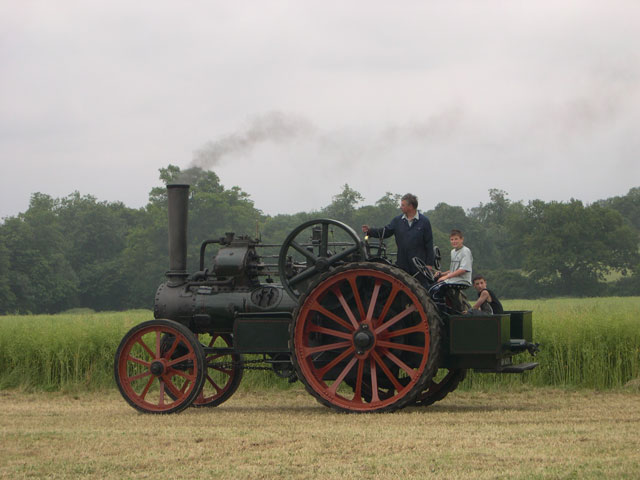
x,y
536,433
585,343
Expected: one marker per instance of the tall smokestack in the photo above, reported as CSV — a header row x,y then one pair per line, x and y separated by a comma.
x,y
178,197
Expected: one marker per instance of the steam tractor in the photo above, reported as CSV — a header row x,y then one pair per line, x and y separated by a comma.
x,y
358,332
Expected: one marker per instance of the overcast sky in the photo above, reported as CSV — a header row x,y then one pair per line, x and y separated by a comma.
x,y
291,100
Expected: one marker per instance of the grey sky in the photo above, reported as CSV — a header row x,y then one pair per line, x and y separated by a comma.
x,y
294,99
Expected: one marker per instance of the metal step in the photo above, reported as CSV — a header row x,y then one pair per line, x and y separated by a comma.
x,y
522,367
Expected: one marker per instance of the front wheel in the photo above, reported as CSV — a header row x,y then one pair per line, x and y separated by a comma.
x,y
159,367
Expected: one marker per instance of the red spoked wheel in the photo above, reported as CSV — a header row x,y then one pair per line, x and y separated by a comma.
x,y
365,338
444,382
223,371
159,367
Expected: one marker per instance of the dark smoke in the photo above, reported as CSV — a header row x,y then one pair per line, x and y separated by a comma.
x,y
270,127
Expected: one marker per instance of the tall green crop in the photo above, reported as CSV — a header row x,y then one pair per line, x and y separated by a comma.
x,y
52,352
585,343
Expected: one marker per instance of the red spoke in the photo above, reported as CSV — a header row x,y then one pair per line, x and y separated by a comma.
x,y
339,380
356,295
139,376
374,380
386,371
182,374
328,331
392,296
146,348
420,328
137,360
172,349
401,346
213,340
146,388
184,387
336,291
410,371
374,300
397,318
223,370
324,370
172,388
323,348
319,308
161,398
157,354
179,359
218,389
357,394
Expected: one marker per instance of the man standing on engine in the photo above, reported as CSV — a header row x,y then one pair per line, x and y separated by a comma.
x,y
412,232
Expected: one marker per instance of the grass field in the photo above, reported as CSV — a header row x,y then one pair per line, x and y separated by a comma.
x,y
586,343
537,433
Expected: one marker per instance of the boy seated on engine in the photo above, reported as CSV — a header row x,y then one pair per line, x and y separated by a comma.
x,y
487,302
461,262
459,273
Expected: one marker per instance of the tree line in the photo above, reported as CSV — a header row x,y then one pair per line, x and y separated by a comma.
x,y
78,252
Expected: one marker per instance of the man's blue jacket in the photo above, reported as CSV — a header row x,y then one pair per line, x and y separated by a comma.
x,y
414,241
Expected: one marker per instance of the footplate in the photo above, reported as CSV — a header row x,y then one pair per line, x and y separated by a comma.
x,y
521,367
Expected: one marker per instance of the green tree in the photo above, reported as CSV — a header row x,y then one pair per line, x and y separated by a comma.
x,y
573,247
96,235
500,222
343,206
7,297
628,206
41,278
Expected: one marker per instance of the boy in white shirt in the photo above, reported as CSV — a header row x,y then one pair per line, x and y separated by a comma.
x,y
461,262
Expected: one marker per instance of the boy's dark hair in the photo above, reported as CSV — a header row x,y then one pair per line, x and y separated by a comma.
x,y
410,199
457,232
479,277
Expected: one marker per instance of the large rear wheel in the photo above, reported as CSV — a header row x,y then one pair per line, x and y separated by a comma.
x,y
365,338
159,367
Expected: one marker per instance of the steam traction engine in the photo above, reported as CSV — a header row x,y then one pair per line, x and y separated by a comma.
x,y
361,334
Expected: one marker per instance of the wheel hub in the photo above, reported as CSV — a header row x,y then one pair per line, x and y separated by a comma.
x,y
363,339
157,368
322,264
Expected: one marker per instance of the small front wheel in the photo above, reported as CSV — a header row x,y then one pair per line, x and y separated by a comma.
x,y
159,367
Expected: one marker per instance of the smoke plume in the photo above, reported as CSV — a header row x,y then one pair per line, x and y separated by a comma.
x,y
271,127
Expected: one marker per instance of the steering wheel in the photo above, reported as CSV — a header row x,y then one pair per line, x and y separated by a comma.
x,y
316,253
423,269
